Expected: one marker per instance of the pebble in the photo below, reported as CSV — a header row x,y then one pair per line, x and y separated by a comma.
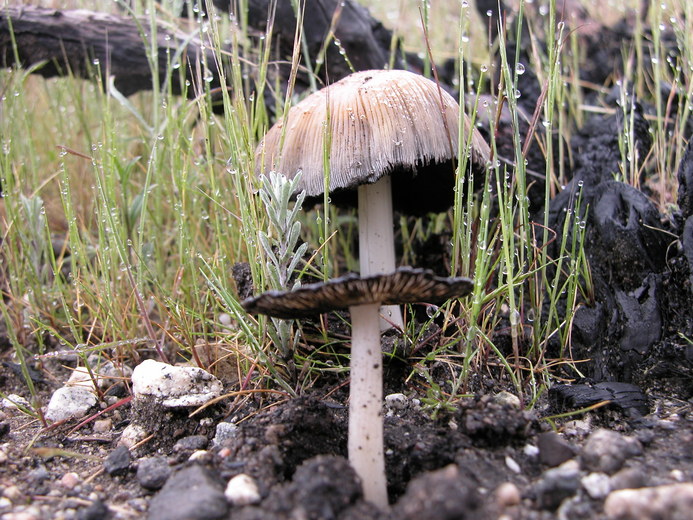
x,y
224,431
447,491
597,485
553,449
557,484
102,426
506,398
673,502
5,504
396,401
512,465
12,492
110,373
531,451
118,461
628,478
69,402
189,494
95,511
606,451
70,480
201,456
21,515
132,434
174,386
153,472
11,401
242,490
507,495
38,475
80,376
191,443
3,457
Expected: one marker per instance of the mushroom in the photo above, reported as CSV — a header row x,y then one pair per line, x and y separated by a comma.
x,y
393,139
363,297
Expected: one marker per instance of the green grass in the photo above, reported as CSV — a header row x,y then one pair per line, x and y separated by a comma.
x,y
122,218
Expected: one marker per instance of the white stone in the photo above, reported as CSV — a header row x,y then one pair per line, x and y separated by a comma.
x,y
69,402
174,386
597,485
512,464
396,401
531,451
224,431
200,455
80,377
105,375
13,400
506,398
673,502
5,503
132,434
242,490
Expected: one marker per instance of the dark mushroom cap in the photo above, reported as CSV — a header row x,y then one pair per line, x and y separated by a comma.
x,y
405,285
380,122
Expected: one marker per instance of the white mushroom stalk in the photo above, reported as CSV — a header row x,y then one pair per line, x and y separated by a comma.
x,y
365,443
377,241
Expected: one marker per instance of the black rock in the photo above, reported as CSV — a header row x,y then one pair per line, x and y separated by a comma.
x,y
625,235
191,443
642,320
96,511
685,178
192,493
118,461
553,449
153,472
621,396
687,243
4,428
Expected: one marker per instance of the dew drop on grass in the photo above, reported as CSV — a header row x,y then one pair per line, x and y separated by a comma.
x,y
431,310
520,69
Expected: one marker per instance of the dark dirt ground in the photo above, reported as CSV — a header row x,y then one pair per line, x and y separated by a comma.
x,y
456,465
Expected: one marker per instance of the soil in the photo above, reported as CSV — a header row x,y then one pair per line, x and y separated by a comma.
x,y
487,457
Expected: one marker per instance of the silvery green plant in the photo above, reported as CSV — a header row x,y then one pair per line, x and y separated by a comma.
x,y
281,247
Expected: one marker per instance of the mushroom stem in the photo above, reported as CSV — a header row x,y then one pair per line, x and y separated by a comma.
x,y
365,404
377,240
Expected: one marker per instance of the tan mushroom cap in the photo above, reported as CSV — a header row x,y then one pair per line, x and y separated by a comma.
x,y
380,122
405,285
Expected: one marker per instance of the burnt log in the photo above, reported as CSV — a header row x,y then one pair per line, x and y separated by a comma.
x,y
92,45
89,44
